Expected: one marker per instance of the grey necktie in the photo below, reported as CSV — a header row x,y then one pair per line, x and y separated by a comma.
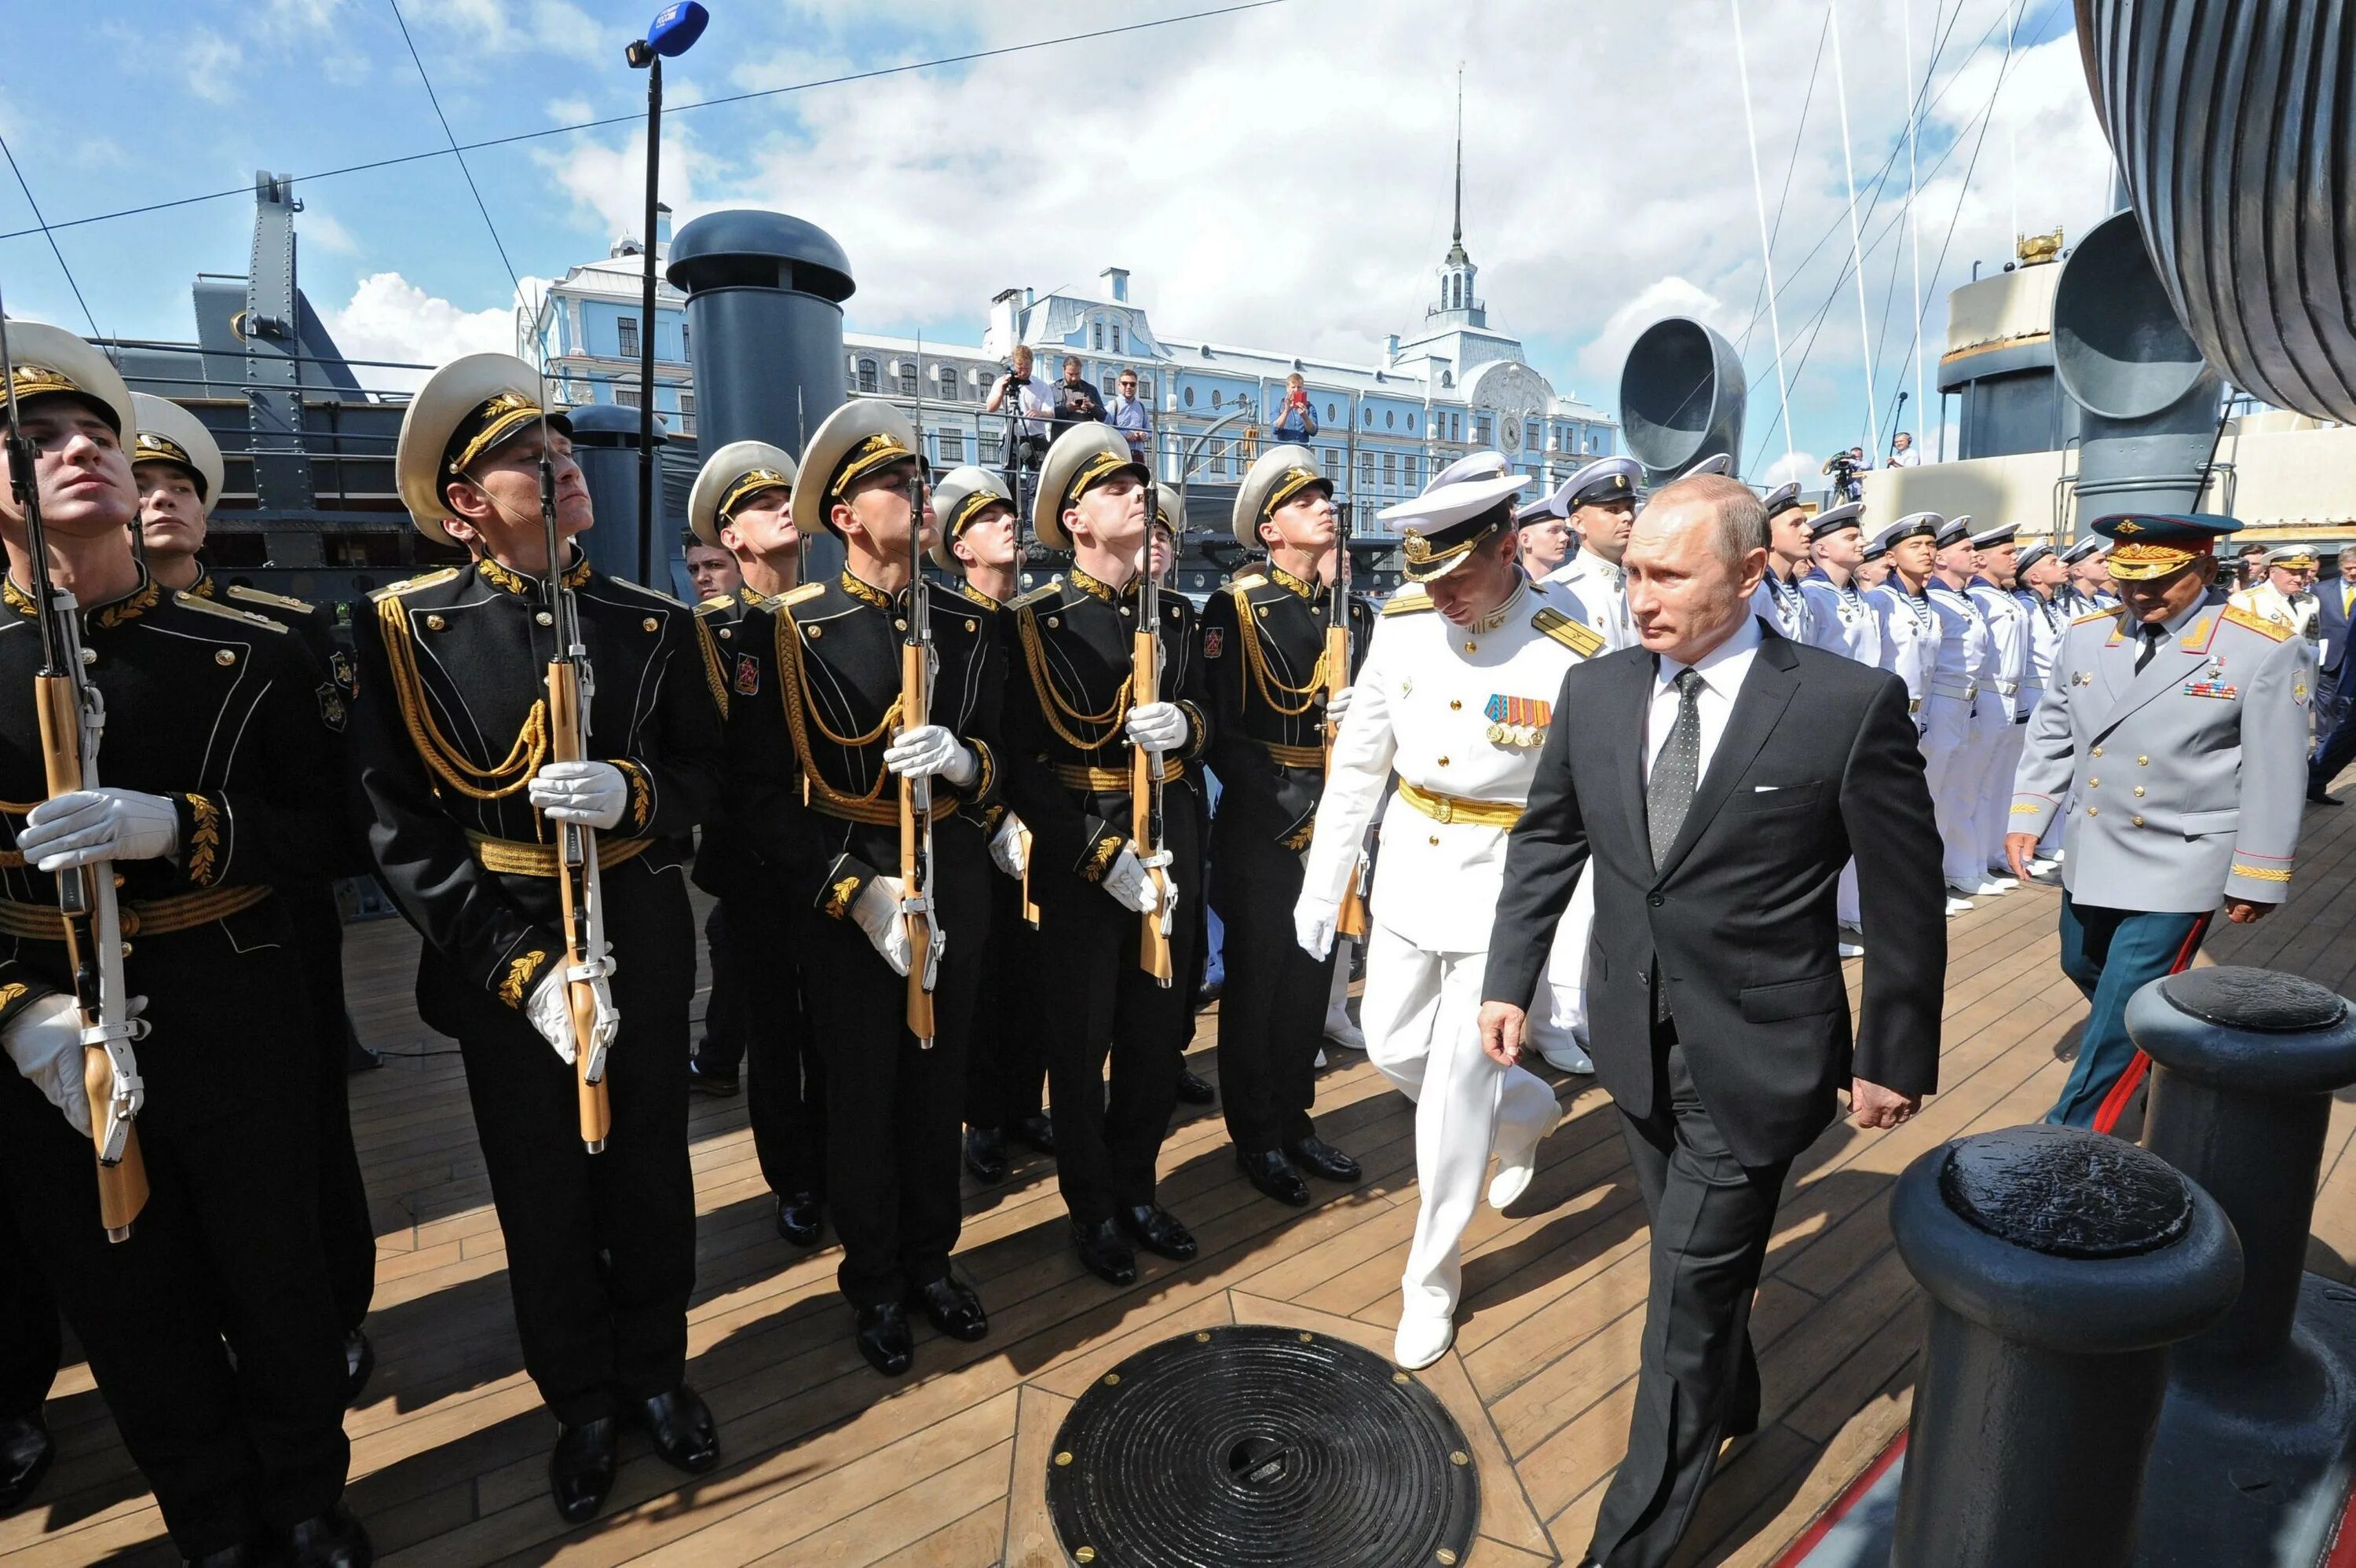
x,y
1669,793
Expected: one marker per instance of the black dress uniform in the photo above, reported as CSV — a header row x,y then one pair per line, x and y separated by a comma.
x,y
1068,779
212,1331
814,702
1263,644
448,731
756,1010
29,1353
345,1229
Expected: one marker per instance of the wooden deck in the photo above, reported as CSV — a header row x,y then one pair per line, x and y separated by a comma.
x,y
829,1463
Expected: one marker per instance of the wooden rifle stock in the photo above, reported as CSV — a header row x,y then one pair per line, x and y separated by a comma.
x,y
567,727
1153,943
913,869
123,1184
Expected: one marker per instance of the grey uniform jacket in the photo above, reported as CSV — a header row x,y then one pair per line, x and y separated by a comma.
x,y
2189,778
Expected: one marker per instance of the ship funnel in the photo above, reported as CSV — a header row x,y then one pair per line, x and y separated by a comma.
x,y
1681,397
2148,400
605,445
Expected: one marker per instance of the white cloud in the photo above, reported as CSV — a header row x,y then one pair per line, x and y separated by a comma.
x,y
500,27
569,111
321,228
1800,466
212,66
389,317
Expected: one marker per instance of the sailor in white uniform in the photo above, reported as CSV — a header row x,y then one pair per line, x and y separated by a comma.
x,y
2002,721
1841,617
2038,573
1952,762
1915,647
1455,699
1779,600
1601,501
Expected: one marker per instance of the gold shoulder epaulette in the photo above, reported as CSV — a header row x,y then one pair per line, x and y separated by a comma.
x,y
649,592
1048,589
2241,617
1249,577
2098,616
284,601
801,595
1407,601
716,604
190,601
429,579
1580,638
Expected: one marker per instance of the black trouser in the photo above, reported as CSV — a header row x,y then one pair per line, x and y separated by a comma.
x,y
756,1016
345,1234
601,1248
1697,1374
1006,1054
29,1348
893,1108
1107,1143
1272,1012
2335,732
224,1262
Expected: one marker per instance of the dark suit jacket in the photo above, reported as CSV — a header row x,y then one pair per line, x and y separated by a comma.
x,y
2332,625
1740,914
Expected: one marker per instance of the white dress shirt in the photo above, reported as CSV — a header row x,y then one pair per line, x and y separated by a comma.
x,y
1722,671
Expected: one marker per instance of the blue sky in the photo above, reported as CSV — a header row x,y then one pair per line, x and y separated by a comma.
x,y
1276,177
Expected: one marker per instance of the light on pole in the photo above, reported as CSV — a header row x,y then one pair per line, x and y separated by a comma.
x,y
671,34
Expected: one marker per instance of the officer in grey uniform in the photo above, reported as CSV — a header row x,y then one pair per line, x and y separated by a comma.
x,y
1779,600
2179,723
1601,500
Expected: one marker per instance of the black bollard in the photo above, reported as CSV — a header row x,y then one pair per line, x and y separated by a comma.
x,y
2251,1463
2060,1265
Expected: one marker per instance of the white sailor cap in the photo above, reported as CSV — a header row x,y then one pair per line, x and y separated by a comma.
x,y
963,495
1992,537
1717,463
1605,480
170,434
1954,530
2289,555
50,360
1440,529
1472,465
2093,544
1913,525
1281,474
1832,520
1782,498
2032,552
468,408
863,437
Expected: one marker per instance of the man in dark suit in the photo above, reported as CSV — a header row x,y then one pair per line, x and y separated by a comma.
x,y
1720,778
2335,598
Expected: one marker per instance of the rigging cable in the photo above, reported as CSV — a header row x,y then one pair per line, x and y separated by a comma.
x,y
1856,253
1766,246
47,234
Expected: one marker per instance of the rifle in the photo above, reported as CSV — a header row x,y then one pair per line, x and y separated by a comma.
x,y
924,939
1351,921
73,718
580,898
1144,776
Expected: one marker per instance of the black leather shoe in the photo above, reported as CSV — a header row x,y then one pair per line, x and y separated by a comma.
x,y
884,1339
1194,1091
581,1468
1273,1174
26,1452
681,1426
359,1364
1318,1158
1038,1131
2318,797
951,1307
332,1540
1209,994
1157,1230
800,1217
712,1077
985,1155
1104,1254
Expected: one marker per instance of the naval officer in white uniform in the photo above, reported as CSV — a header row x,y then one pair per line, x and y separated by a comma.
x,y
1455,698
1601,501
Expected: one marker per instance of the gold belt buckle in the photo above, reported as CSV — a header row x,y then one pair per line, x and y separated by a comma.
x,y
1443,808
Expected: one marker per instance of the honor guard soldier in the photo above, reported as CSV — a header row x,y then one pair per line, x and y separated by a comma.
x,y
1601,500
453,740
891,851
2003,710
1779,600
1953,751
2179,725
209,1326
1006,1053
1455,698
2283,597
179,468
1265,648
30,1350
1169,514
743,503
1841,617
1075,723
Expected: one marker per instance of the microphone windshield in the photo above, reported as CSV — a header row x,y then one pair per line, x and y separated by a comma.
x,y
676,27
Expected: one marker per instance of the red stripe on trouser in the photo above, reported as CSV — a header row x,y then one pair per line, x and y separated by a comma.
x,y
2114,1103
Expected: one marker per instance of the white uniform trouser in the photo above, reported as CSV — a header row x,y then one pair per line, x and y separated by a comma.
x,y
1844,905
1420,1013
1996,785
1966,862
1946,751
1559,1018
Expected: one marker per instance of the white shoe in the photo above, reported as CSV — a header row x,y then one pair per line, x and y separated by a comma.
x,y
2044,868
1957,906
1990,888
1423,1339
1565,1056
1957,889
1518,1167
1320,1062
1341,1031
1851,950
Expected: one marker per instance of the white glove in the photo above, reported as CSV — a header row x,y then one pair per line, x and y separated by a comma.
x,y
1129,885
877,910
1009,847
1158,726
1338,704
1313,921
929,749
87,826
44,1042
591,793
550,1007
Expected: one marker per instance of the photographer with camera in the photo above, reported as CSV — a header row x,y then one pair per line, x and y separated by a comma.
x,y
1035,402
1843,466
1296,422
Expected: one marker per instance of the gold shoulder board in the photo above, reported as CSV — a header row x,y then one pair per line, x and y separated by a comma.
x,y
649,592
793,596
1047,589
2098,616
190,601
1407,601
2240,617
1581,639
430,580
1249,577
716,604
285,602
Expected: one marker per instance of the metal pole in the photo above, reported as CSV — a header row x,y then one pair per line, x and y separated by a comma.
x,y
1913,222
1766,247
646,329
1856,248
